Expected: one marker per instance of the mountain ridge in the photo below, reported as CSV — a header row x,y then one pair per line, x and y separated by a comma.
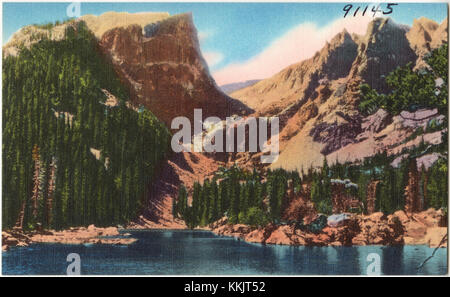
x,y
319,116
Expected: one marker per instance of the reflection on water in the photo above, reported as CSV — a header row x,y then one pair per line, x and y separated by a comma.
x,y
202,252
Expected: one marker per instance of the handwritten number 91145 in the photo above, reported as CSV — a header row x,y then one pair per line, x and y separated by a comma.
x,y
388,10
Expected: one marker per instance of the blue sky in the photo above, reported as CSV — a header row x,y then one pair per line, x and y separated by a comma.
x,y
234,32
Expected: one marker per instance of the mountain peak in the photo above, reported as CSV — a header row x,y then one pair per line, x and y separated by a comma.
x,y
163,67
383,48
426,35
341,37
299,81
426,23
111,19
383,25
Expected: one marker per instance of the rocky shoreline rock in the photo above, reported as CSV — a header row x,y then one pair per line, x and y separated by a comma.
x,y
424,228
74,235
14,238
376,229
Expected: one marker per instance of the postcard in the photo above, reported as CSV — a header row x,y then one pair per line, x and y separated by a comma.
x,y
224,139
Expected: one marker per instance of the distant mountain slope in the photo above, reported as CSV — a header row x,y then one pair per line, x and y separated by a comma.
x,y
426,35
317,99
233,87
272,95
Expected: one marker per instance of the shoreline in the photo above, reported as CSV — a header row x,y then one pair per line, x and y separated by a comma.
x,y
73,235
84,235
422,228
376,229
128,241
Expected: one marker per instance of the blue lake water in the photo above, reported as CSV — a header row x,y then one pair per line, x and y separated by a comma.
x,y
201,252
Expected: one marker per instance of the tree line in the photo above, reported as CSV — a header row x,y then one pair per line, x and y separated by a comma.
x,y
245,197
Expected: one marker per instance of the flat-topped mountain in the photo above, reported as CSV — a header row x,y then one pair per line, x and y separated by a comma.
x,y
110,20
165,70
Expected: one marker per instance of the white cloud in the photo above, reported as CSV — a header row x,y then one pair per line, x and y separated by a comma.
x,y
298,44
213,58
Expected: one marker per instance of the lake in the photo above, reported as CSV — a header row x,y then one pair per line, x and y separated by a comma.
x,y
203,253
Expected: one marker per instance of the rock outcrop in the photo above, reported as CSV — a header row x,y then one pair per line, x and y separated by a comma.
x,y
426,227
165,71
272,96
14,238
383,48
78,235
426,35
379,229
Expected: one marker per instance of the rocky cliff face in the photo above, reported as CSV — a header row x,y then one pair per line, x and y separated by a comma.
x,y
298,81
317,99
382,49
426,35
163,66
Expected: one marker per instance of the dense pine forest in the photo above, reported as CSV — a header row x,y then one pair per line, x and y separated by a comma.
x,y
236,193
69,158
258,198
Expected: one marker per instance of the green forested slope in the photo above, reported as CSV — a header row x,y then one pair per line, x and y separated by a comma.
x,y
53,114
256,198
